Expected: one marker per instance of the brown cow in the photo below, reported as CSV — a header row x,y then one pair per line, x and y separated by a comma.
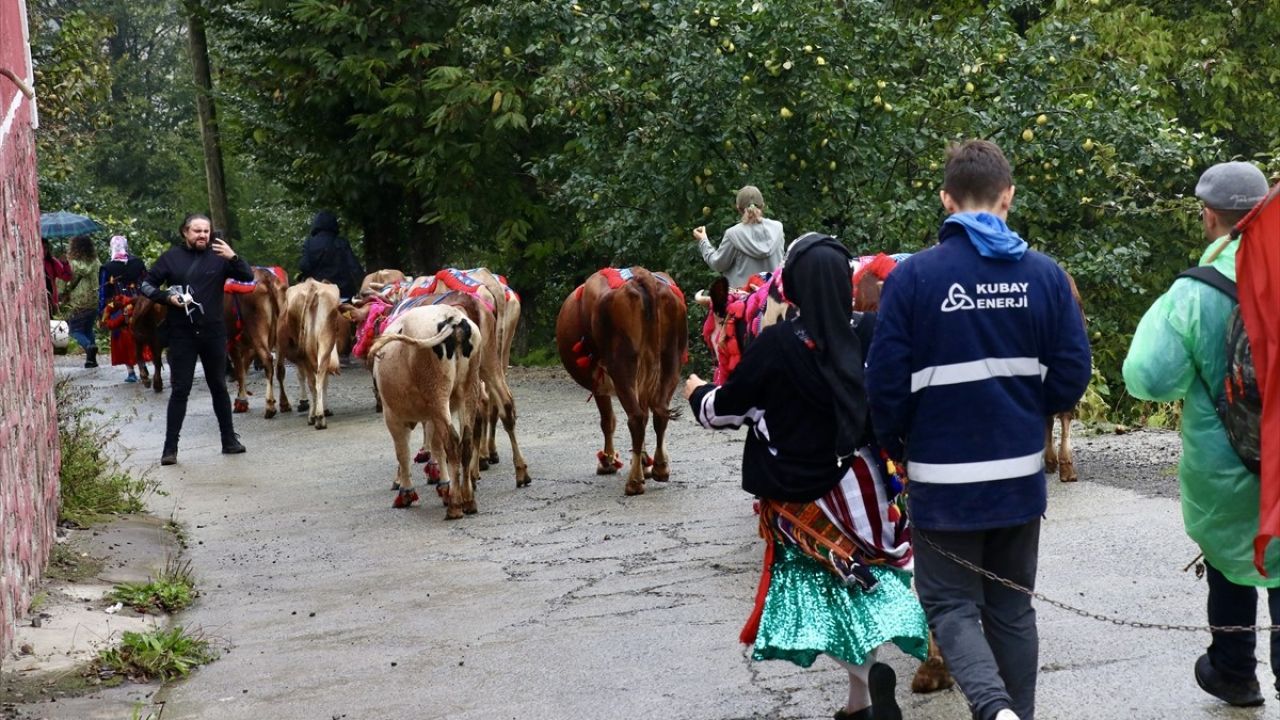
x,y
1060,459
147,326
623,332
251,320
423,363
308,337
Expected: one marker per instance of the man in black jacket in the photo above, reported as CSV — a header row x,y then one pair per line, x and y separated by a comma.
x,y
195,272
328,256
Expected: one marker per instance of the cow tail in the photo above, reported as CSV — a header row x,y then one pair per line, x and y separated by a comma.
x,y
425,343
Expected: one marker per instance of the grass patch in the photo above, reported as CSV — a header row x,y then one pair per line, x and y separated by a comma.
x,y
159,654
69,564
173,590
94,486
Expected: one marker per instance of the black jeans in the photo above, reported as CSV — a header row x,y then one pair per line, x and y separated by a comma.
x,y
986,631
1232,653
210,346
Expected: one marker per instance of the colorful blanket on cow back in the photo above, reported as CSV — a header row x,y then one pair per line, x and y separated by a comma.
x,y
241,287
617,277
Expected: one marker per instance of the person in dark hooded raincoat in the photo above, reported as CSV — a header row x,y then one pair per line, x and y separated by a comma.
x,y
327,256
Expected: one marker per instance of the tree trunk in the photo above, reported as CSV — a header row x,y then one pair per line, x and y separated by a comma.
x,y
214,176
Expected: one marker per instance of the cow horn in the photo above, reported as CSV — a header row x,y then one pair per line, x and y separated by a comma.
x,y
702,298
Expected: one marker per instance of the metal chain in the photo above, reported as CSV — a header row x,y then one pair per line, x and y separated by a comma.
x,y
1085,613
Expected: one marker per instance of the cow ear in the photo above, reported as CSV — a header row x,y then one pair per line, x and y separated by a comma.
x,y
720,296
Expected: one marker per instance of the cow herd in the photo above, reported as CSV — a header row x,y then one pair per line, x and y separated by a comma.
x,y
438,347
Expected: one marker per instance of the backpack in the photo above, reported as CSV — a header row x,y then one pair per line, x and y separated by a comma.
x,y
1239,406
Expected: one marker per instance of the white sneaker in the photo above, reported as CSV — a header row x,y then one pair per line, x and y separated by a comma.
x,y
1006,714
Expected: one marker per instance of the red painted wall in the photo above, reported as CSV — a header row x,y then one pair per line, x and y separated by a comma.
x,y
28,421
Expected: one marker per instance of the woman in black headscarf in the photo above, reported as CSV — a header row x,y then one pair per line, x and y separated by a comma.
x,y
835,579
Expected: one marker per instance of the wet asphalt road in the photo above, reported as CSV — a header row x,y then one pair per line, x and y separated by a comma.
x,y
566,599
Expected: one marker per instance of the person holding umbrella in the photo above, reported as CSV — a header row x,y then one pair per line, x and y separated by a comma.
x,y
82,297
195,272
55,269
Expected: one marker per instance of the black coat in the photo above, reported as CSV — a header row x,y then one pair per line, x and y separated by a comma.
x,y
327,256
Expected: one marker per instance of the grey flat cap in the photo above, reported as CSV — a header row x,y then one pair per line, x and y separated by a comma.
x,y
1232,186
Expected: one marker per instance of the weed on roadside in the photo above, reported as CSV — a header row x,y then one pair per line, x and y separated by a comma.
x,y
93,484
158,654
173,590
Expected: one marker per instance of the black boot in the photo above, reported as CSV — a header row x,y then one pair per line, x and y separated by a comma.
x,y
91,357
231,444
169,456
882,681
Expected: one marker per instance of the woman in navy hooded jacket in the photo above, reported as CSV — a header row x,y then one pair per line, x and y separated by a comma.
x,y
978,340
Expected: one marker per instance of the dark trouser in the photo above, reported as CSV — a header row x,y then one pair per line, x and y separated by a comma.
x,y
211,348
80,327
1232,653
986,631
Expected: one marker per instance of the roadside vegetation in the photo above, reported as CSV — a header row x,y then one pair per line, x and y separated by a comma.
x,y
173,590
162,654
94,485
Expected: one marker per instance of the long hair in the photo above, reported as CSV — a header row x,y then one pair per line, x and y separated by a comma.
x,y
750,204
81,248
192,217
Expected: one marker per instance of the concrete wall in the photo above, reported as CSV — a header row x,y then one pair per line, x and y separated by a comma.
x,y
28,422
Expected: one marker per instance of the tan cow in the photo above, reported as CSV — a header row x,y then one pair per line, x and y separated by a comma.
x,y
423,366
308,337
252,319
375,281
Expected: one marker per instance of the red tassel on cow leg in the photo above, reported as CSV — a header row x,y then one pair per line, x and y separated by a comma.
x,y
241,405
405,498
583,362
748,634
422,456
432,470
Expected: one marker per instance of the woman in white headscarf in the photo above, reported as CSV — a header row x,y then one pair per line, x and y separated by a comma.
x,y
117,287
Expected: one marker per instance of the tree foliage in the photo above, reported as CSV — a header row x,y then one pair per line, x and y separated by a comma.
x,y
550,139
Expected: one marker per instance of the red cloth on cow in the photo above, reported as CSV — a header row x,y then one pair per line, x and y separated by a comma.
x,y
1258,285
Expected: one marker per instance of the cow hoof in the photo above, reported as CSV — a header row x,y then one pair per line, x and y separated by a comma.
x,y
1050,467
405,498
522,477
320,423
453,513
635,487
483,463
304,406
470,508
395,485
932,676
241,405
328,412
493,458
422,456
311,419
286,407
1067,473
606,470
661,472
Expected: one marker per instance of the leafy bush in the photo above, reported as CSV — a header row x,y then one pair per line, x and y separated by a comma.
x,y
158,654
93,485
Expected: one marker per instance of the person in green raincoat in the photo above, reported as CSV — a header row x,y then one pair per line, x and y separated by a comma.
x,y
1179,352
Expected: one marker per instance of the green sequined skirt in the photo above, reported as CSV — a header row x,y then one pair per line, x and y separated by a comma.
x,y
808,612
